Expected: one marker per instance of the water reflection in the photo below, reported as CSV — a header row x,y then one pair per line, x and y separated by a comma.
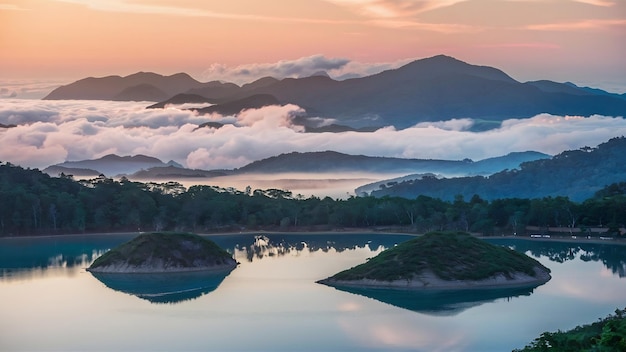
x,y
164,287
256,247
612,256
439,302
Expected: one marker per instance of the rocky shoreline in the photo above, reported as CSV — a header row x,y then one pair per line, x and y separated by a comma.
x,y
427,280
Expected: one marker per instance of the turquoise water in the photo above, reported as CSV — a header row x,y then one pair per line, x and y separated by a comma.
x,y
271,302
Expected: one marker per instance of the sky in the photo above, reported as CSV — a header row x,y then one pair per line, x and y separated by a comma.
x,y
58,41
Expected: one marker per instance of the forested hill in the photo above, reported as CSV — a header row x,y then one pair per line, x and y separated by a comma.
x,y
576,174
330,161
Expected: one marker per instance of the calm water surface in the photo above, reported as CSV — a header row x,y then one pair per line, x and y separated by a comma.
x,y
271,302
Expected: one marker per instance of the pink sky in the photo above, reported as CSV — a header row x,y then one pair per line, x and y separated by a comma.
x,y
583,41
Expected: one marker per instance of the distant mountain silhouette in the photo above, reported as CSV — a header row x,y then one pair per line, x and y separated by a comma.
x,y
236,106
330,161
146,167
483,167
124,88
56,170
432,89
182,98
112,165
141,92
576,174
172,172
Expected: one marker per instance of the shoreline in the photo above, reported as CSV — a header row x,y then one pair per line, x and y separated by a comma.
x,y
428,281
356,231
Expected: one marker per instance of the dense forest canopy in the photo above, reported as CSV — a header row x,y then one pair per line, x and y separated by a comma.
x,y
32,203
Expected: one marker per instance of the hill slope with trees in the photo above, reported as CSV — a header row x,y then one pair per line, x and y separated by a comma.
x,y
576,174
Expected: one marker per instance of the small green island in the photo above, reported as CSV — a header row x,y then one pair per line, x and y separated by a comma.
x,y
444,261
164,253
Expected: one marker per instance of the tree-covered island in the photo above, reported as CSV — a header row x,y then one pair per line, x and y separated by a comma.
x,y
164,252
444,260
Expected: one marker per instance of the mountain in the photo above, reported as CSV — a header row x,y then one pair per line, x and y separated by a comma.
x,y
330,161
576,174
129,88
141,92
56,170
182,98
432,89
236,106
173,172
110,165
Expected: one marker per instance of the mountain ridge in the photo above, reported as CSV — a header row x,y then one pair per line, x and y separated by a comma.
x,y
431,89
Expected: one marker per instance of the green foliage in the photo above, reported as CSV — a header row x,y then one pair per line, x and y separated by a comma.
x,y
32,203
451,256
179,249
605,335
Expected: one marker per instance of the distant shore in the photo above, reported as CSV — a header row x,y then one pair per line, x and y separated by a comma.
x,y
351,231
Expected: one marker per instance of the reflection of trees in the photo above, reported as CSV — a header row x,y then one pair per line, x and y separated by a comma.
x,y
612,256
18,255
439,302
257,247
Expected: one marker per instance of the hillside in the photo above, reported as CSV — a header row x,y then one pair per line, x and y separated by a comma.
x,y
577,174
164,252
432,89
330,161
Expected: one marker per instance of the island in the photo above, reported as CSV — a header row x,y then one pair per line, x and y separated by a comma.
x,y
444,261
164,253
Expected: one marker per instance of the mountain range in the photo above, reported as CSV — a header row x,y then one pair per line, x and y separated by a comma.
x,y
577,174
145,167
432,89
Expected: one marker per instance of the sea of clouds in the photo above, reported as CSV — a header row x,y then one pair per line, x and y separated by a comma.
x,y
51,132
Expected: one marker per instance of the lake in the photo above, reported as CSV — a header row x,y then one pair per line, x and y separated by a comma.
x,y
271,302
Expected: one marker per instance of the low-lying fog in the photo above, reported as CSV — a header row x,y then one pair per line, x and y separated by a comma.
x,y
334,185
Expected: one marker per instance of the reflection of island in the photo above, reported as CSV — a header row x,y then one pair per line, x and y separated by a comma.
x,y
165,287
612,256
164,267
444,302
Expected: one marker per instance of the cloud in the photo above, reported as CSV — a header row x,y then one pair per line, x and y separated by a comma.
x,y
393,8
338,68
604,3
51,132
10,7
27,89
125,6
578,25
302,67
404,14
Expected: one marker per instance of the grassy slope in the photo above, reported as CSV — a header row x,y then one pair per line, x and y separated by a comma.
x,y
451,256
180,249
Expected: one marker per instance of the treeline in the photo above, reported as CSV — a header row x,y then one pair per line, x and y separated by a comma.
x,y
605,335
32,203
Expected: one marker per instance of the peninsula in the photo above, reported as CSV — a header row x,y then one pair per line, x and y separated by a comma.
x,y
444,261
164,253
